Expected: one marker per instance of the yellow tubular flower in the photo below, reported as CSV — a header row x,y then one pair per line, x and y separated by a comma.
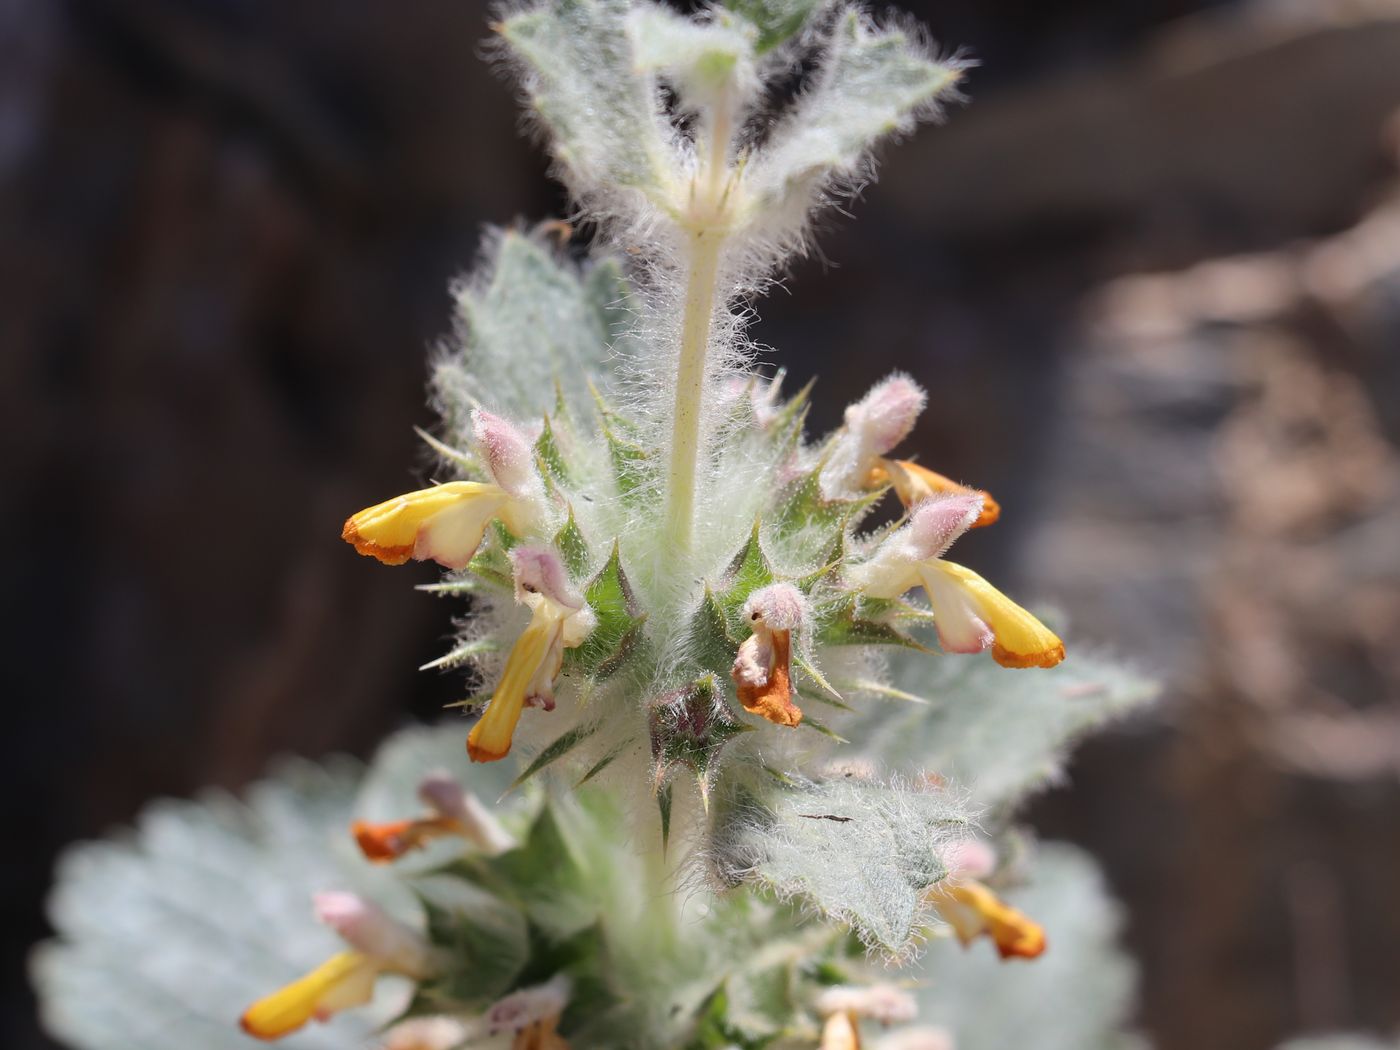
x,y
914,484
969,613
343,981
972,910
840,1032
446,523
537,646
963,604
560,621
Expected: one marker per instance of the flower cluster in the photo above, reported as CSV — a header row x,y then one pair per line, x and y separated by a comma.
x,y
684,614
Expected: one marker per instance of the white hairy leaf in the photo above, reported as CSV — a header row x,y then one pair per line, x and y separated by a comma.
x,y
1000,733
166,934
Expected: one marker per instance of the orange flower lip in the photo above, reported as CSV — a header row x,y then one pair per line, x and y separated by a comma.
x,y
386,842
369,548
762,670
973,910
381,842
772,699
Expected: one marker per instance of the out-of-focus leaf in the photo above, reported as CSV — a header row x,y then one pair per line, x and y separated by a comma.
x,y
530,325
777,20
870,82
1001,733
583,82
165,935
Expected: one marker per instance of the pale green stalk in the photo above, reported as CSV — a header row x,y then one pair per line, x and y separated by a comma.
x,y
705,248
707,234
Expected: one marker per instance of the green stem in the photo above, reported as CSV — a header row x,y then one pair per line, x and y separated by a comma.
x,y
699,312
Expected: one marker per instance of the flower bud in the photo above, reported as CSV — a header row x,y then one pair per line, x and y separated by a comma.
x,y
932,528
530,1005
970,859
880,1002
539,570
874,425
780,606
936,523
371,932
885,416
442,793
510,455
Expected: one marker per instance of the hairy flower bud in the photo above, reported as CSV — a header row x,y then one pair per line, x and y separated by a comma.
x,y
510,455
371,932
873,425
444,794
528,1006
970,859
880,1002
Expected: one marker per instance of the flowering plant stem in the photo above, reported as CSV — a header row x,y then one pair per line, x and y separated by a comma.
x,y
705,247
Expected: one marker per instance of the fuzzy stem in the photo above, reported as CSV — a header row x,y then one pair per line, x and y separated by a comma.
x,y
707,233
705,245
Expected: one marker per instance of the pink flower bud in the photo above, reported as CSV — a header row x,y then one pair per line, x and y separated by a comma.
x,y
779,606
539,570
875,424
442,793
370,931
936,523
973,859
528,1005
880,1002
510,454
885,416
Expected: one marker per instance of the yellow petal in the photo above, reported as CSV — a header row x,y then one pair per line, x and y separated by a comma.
x,y
914,484
1021,640
490,738
840,1032
445,523
972,910
343,981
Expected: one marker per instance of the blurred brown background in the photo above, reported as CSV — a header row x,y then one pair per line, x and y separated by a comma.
x,y
1151,278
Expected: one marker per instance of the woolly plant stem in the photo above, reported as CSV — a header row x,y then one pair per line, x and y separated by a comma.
x,y
705,246
706,242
